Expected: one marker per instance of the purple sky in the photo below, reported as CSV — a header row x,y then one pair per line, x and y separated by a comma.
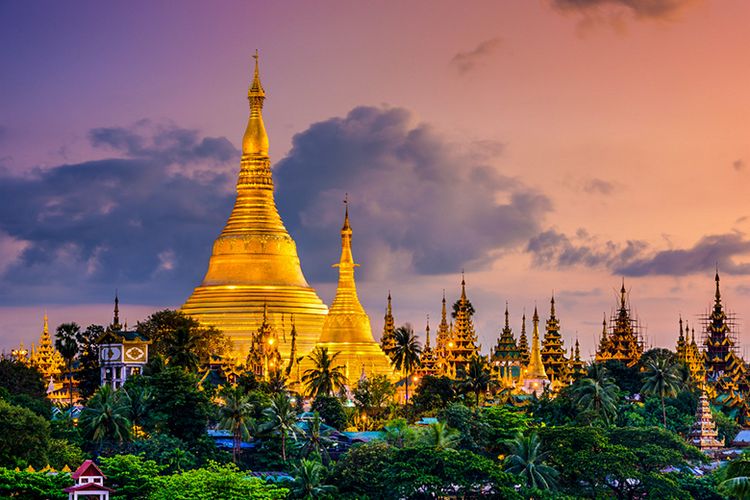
x,y
540,145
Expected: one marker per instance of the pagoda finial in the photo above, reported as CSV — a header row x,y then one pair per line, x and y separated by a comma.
x,y
622,294
718,293
45,329
463,286
255,140
681,335
604,327
535,318
507,325
552,306
427,334
347,226
116,319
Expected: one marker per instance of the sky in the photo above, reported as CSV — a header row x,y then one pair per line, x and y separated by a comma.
x,y
542,146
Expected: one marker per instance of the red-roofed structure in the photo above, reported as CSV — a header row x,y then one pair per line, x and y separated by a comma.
x,y
89,483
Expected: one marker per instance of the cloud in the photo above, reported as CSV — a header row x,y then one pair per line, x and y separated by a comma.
x,y
636,258
739,165
464,62
75,232
598,186
417,201
639,9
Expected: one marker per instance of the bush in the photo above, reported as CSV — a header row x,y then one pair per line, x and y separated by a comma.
x,y
331,411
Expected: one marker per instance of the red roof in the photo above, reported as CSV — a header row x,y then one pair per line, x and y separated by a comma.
x,y
88,487
87,469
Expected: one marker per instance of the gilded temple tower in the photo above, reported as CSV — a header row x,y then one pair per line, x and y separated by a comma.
x,y
347,329
553,353
534,376
254,261
388,338
623,342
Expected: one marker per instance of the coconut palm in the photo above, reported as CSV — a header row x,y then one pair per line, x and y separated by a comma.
x,y
105,417
475,376
326,375
398,433
277,382
235,414
406,353
597,394
282,418
308,480
316,441
527,461
662,378
66,342
737,484
182,350
440,436
138,399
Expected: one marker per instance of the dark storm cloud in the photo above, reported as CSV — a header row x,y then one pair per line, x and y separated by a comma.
x,y
634,258
465,62
598,186
644,9
418,204
142,222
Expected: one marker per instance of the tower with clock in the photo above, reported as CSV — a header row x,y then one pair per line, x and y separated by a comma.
x,y
122,353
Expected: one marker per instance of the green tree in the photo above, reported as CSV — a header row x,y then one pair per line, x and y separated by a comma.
x,y
326,375
131,476
23,386
182,351
33,485
105,418
406,353
66,342
309,477
433,393
215,481
372,395
162,328
282,418
236,415
662,379
597,394
440,436
398,433
138,399
527,460
737,479
475,376
315,442
331,411
88,372
24,438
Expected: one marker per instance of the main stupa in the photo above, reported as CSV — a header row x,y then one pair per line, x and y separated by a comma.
x,y
254,262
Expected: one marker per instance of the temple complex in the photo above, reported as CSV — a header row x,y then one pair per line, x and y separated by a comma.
x,y
623,342
553,353
254,262
346,328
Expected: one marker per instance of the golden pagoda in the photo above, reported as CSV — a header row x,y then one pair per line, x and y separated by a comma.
x,y
45,357
346,329
704,435
388,338
263,357
429,362
553,353
254,261
534,376
463,340
689,355
623,342
523,343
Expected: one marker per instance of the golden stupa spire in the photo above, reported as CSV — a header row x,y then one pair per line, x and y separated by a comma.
x,y
347,329
254,259
427,334
45,328
535,370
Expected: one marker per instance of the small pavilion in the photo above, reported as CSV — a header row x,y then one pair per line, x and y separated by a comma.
x,y
89,483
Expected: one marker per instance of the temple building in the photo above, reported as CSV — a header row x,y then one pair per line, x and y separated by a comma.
x,y
443,341
576,366
263,358
553,353
535,378
506,357
429,362
388,338
44,357
463,339
122,353
254,261
346,329
623,342
704,435
523,343
689,355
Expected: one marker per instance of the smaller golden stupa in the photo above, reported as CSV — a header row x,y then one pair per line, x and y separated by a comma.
x,y
347,329
534,376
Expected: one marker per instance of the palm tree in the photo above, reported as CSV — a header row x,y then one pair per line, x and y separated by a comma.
x,y
737,484
440,436
662,378
315,441
325,376
597,394
406,353
235,414
398,433
527,461
138,399
182,350
308,480
282,418
66,342
105,417
475,377
277,382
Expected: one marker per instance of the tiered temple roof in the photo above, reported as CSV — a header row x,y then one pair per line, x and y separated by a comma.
x,y
506,355
553,353
264,357
689,354
534,376
523,343
622,343
704,435
576,366
45,357
463,343
388,338
429,362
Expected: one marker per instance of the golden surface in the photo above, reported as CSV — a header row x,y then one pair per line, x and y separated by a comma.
x,y
254,261
347,328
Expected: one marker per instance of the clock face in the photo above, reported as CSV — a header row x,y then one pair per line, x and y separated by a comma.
x,y
135,354
110,354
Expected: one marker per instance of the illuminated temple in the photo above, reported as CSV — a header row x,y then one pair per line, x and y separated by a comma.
x,y
254,262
